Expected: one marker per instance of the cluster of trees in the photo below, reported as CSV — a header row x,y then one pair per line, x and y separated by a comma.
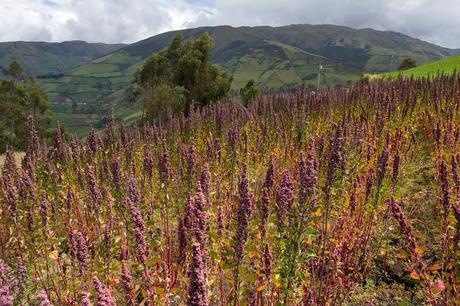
x,y
407,63
180,76
20,96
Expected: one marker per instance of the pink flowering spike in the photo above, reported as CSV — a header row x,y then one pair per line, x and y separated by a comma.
x,y
406,228
284,198
139,230
126,281
7,284
445,186
308,178
270,175
206,180
148,163
265,210
10,196
267,261
116,173
201,217
43,298
189,213
104,296
6,299
84,299
197,290
182,240
81,251
164,165
243,214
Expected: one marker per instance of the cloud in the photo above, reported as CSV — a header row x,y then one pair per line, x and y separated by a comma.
x,y
131,20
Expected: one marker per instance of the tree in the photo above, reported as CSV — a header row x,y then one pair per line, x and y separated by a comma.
x,y
407,63
15,70
249,92
184,75
18,100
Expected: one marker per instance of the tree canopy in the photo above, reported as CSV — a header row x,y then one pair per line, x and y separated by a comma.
x,y
181,75
249,92
407,63
20,97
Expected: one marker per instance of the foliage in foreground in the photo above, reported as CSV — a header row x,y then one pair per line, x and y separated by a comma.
x,y
312,199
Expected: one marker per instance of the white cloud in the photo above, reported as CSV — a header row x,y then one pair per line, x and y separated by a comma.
x,y
132,20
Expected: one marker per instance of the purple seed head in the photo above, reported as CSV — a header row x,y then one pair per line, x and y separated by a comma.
x,y
127,283
189,213
270,176
164,165
243,214
201,218
10,195
59,143
84,299
43,298
206,180
148,163
308,177
197,290
182,240
267,261
191,160
92,141
9,166
104,296
265,210
116,173
445,186
81,251
284,198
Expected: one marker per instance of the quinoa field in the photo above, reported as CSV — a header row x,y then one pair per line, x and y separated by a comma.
x,y
346,196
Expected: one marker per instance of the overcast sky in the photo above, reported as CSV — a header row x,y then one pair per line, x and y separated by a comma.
x,y
127,21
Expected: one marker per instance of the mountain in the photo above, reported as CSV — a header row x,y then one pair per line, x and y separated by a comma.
x,y
276,57
45,59
446,65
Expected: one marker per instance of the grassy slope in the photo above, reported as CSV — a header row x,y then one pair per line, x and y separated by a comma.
x,y
41,58
446,65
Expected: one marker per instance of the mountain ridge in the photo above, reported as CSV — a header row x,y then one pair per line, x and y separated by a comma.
x,y
39,58
275,57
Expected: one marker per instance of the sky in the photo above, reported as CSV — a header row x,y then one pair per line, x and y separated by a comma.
x,y
127,21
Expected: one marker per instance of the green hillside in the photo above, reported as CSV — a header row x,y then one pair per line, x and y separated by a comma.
x,y
276,57
446,65
42,58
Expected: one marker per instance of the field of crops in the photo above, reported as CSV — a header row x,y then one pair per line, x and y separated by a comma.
x,y
345,196
449,65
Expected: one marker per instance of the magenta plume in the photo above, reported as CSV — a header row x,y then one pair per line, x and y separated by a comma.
x,y
284,198
201,218
126,281
81,251
43,298
243,214
270,175
104,296
308,178
197,290
206,180
84,299
265,210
